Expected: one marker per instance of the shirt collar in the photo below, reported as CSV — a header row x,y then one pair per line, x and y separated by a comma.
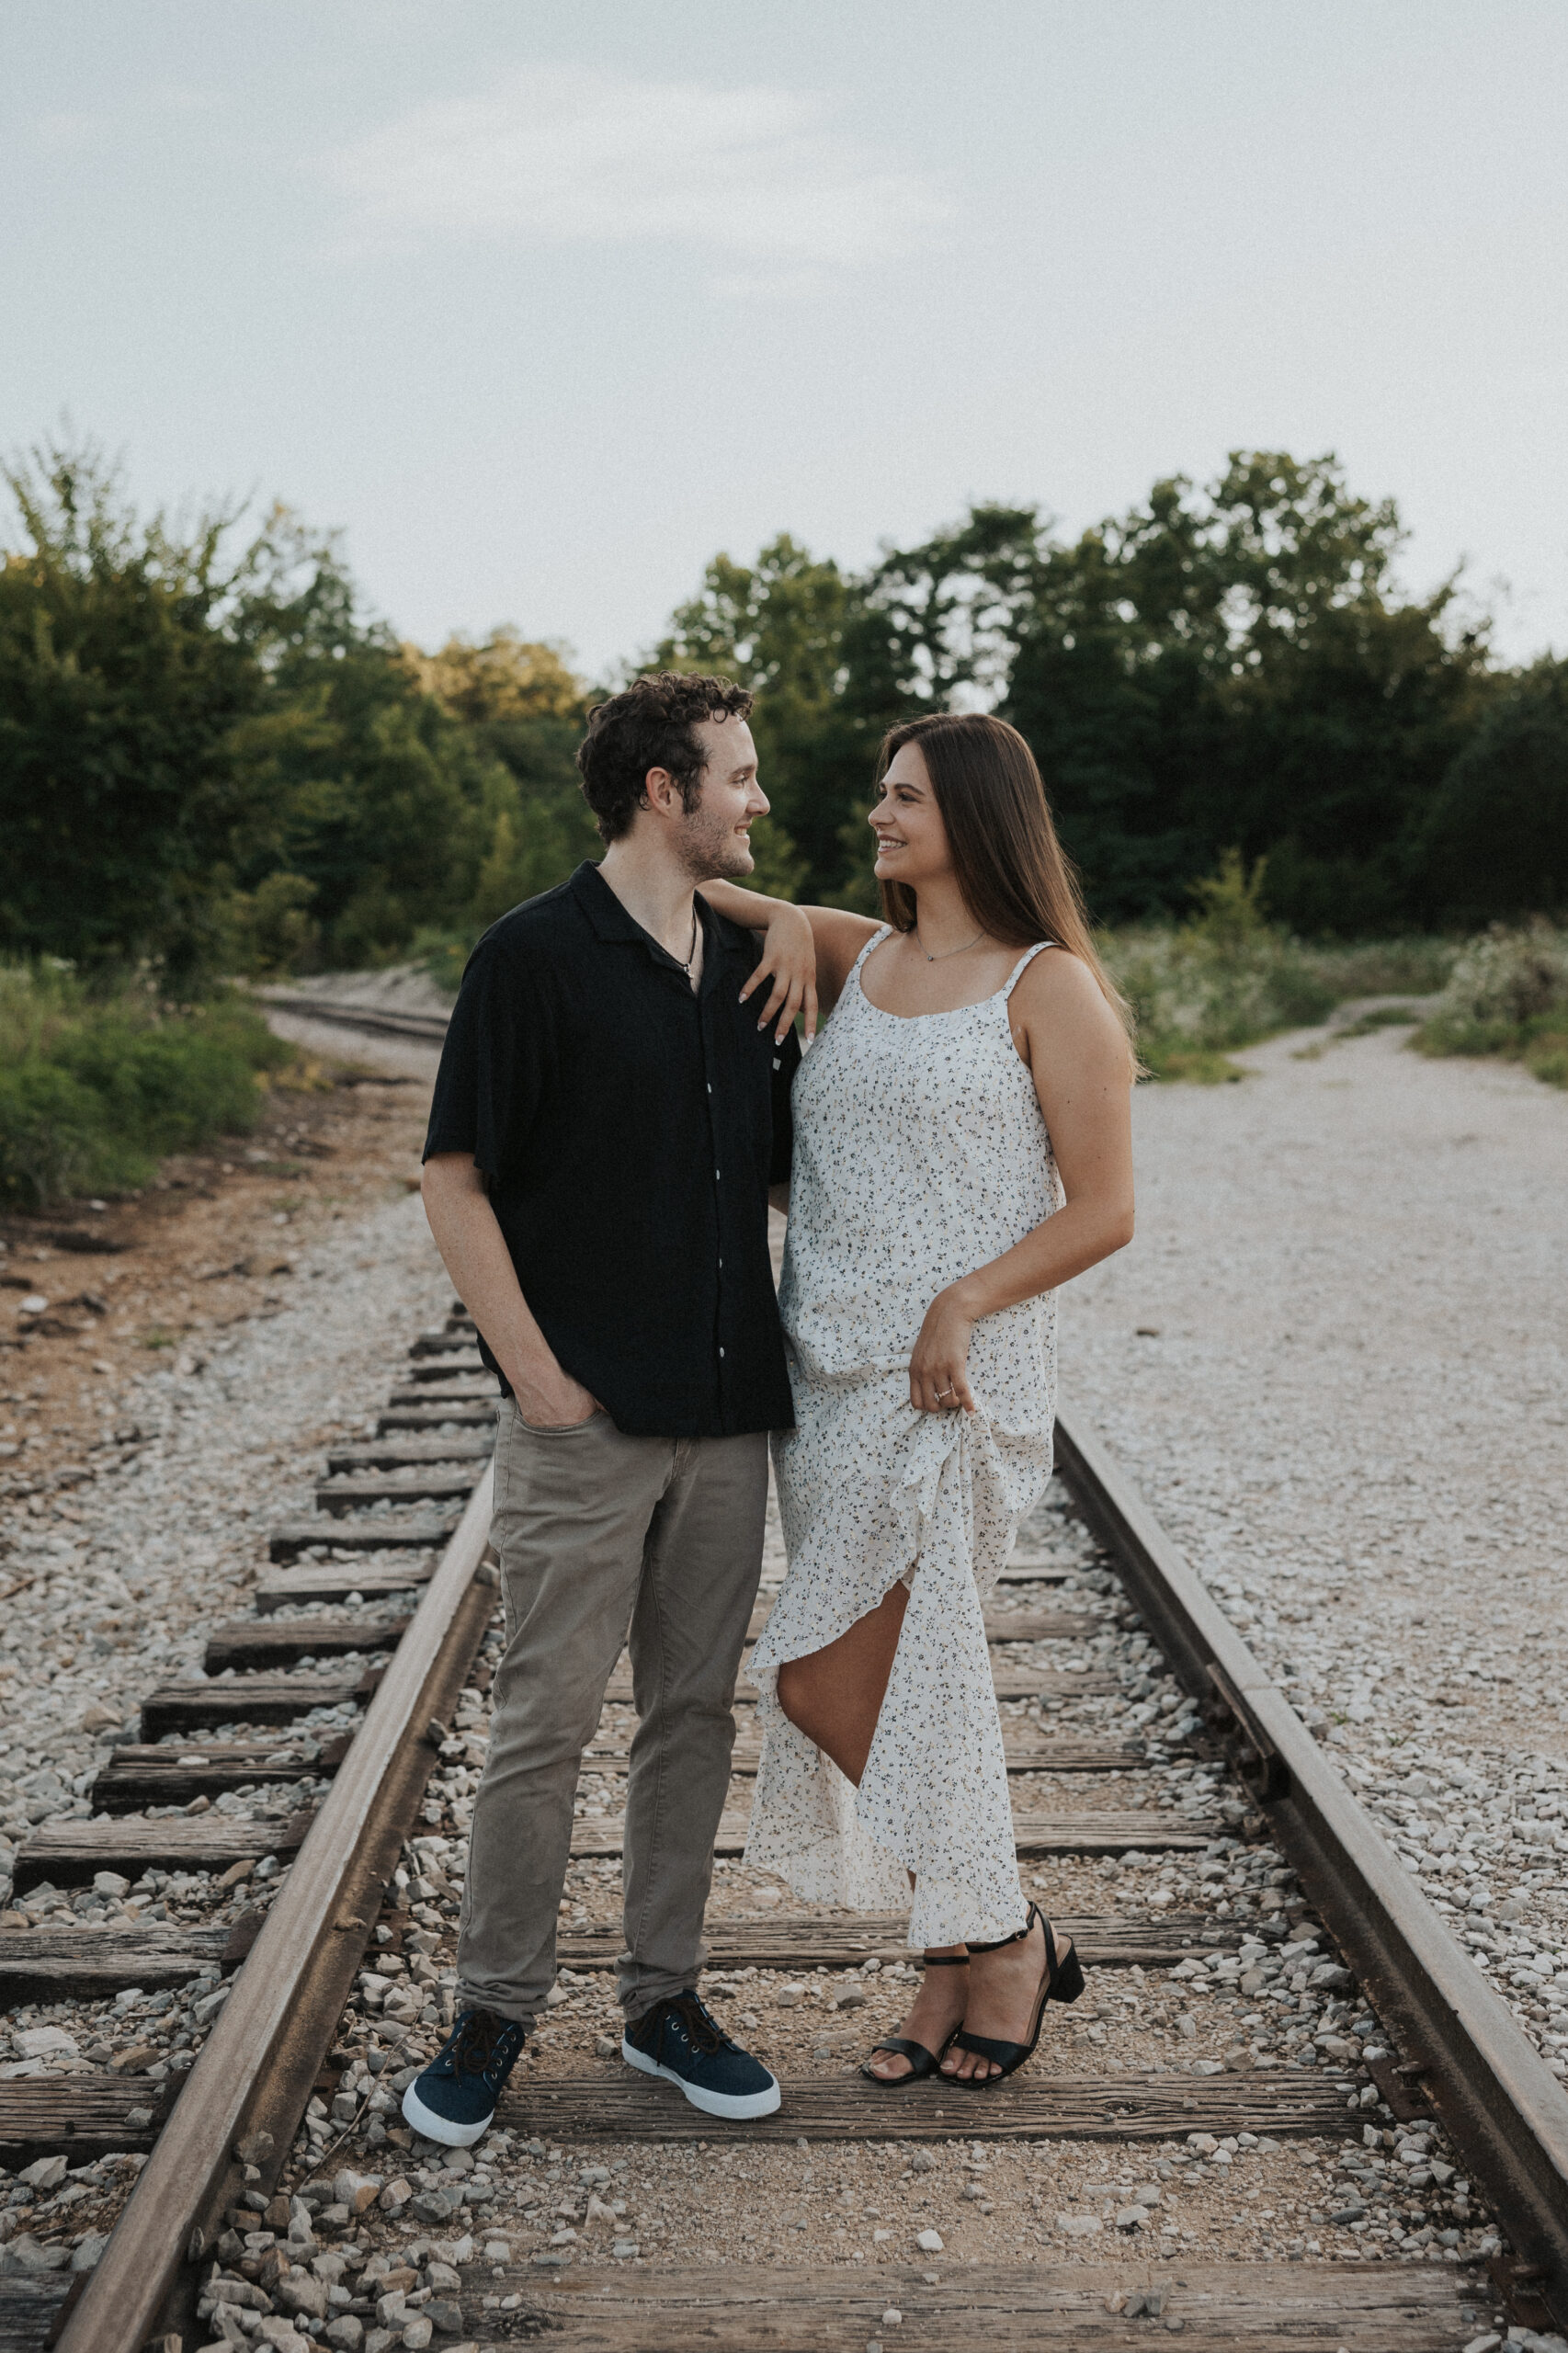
x,y
610,921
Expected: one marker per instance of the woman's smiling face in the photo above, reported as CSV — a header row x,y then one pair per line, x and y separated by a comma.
x,y
911,841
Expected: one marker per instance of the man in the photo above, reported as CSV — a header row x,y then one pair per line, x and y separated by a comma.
x,y
606,1122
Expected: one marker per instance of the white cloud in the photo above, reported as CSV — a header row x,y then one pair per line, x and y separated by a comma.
x,y
552,157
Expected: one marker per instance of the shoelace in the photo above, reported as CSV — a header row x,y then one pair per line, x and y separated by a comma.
x,y
703,2031
478,2046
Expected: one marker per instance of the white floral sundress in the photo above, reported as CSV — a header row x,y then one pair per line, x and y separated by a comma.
x,y
920,1153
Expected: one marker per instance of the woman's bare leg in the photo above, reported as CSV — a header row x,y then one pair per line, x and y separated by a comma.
x,y
834,1696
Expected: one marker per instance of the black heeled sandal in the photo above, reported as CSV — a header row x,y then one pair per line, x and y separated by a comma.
x,y
1063,1981
922,2063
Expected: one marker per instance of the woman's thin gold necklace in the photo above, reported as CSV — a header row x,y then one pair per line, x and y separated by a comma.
x,y
947,951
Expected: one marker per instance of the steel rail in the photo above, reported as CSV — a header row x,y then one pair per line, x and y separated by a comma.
x,y
429,1028
256,2067
1500,2104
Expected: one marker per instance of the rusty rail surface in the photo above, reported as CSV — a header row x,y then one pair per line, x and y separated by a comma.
x,y
256,2070
1462,2048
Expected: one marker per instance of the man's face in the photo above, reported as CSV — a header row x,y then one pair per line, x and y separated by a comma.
x,y
715,837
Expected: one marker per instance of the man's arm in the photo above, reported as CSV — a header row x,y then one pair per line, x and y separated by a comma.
x,y
474,1252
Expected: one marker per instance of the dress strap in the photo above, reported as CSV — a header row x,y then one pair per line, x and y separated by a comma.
x,y
1016,975
875,941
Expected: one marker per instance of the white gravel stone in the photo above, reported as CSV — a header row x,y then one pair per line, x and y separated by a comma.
x,y
168,1538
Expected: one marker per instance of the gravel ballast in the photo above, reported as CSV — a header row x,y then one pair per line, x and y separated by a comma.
x,y
1335,1361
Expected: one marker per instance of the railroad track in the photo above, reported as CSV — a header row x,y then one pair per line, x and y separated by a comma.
x,y
216,2155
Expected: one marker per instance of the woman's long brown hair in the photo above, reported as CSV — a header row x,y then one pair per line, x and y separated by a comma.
x,y
1016,878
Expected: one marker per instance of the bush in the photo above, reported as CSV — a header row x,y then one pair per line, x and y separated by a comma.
x,y
94,1090
1225,979
1508,994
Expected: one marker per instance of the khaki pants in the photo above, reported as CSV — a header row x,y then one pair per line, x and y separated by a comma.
x,y
605,1538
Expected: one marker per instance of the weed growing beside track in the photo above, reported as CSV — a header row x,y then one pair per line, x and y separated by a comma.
x,y
95,1089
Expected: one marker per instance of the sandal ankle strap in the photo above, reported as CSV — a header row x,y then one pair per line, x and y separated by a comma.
x,y
1017,1936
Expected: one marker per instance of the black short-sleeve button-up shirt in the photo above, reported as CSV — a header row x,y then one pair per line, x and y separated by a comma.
x,y
629,1128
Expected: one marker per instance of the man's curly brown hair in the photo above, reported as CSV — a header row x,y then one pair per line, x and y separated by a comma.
x,y
652,724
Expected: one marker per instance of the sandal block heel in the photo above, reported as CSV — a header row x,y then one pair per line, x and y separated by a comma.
x,y
1068,1982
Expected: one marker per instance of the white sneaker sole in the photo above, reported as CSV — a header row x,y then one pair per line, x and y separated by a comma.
x,y
441,2128
732,2104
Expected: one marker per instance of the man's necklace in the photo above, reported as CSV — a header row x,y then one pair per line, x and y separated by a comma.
x,y
691,958
946,951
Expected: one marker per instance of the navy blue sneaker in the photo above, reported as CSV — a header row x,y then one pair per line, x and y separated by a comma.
x,y
454,2099
680,2040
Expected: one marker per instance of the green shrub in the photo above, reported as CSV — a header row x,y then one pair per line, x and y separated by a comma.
x,y
94,1090
1508,994
1415,965
1226,979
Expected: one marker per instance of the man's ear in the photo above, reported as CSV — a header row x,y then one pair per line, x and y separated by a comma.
x,y
660,791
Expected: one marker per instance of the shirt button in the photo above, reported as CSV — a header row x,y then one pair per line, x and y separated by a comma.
x,y
720,1352
711,1083
717,1173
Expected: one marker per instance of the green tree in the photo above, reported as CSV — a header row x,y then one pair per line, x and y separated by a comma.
x,y
1494,843
119,691
1237,664
777,627
523,704
373,795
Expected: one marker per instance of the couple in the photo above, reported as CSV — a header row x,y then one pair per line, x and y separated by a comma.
x,y
621,1094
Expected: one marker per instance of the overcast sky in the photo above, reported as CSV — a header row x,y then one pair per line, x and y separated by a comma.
x,y
545,306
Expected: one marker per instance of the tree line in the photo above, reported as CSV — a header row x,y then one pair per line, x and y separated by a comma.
x,y
212,757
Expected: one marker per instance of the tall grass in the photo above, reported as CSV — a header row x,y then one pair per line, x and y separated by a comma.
x,y
1225,979
95,1089
1230,977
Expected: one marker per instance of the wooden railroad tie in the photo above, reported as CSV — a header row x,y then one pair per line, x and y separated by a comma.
x,y
249,1700
70,1854
850,1940
169,1774
1033,1833
444,1342
80,2116
1043,2306
409,1453
336,1580
385,1535
1012,1683
337,1496
1024,1748
54,1963
247,1643
473,1412
165,1774
617,2105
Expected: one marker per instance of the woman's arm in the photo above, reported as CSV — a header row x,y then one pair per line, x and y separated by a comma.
x,y
807,951
1077,1052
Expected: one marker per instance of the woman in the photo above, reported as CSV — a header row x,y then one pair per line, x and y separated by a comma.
x,y
962,1147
